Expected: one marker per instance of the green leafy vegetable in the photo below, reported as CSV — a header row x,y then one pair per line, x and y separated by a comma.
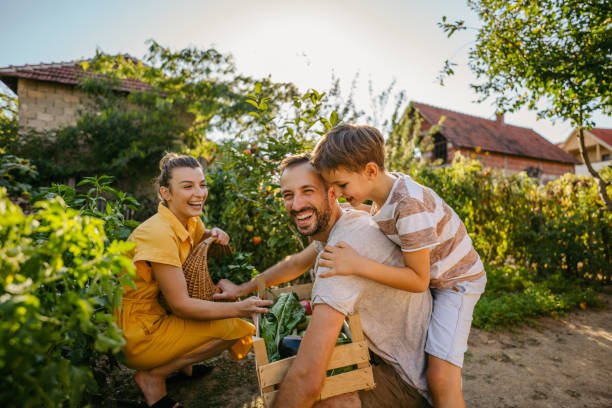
x,y
284,316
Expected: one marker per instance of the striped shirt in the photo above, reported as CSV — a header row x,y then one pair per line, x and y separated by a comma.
x,y
415,217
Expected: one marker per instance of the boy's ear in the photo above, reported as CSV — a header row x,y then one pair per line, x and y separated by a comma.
x,y
331,194
371,170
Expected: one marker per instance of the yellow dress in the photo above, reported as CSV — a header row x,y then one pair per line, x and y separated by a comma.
x,y
153,337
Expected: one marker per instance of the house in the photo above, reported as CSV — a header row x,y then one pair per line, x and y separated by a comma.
x,y
495,143
598,147
48,95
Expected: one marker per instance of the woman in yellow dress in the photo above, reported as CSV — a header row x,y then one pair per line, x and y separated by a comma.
x,y
158,343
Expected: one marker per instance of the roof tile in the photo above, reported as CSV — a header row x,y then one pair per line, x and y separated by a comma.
x,y
490,135
603,134
65,73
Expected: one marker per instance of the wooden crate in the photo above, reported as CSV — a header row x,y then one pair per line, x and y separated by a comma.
x,y
356,353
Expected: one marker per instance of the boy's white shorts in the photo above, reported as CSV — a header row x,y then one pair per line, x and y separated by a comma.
x,y
451,319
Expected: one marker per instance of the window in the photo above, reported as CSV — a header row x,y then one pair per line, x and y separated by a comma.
x,y
440,147
605,157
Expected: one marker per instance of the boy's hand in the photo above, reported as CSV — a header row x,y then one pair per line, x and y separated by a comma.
x,y
341,258
222,237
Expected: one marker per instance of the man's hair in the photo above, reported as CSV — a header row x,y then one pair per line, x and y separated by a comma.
x,y
351,147
293,160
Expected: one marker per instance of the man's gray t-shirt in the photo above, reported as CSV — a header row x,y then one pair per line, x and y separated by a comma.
x,y
394,321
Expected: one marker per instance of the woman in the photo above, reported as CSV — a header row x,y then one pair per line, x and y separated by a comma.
x,y
158,343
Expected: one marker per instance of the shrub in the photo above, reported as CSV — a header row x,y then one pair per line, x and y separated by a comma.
x,y
559,228
101,201
60,283
512,297
244,194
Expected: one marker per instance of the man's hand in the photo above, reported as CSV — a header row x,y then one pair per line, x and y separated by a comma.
x,y
229,290
222,237
342,259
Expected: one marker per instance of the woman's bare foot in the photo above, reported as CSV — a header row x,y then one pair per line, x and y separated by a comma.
x,y
152,386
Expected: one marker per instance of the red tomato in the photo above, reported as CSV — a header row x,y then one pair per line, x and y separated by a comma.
x,y
256,240
307,306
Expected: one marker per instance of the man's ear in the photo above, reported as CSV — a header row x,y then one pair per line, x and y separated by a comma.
x,y
371,170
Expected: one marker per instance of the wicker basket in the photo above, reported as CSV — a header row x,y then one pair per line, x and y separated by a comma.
x,y
195,268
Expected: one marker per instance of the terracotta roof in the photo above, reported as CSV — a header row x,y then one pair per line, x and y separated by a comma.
x,y
62,72
470,132
603,134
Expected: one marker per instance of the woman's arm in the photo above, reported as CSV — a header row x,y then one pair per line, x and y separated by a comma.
x,y
172,283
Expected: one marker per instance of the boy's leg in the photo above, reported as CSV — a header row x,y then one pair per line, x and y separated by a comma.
x,y
447,337
444,380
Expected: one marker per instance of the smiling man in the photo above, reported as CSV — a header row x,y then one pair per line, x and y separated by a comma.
x,y
394,321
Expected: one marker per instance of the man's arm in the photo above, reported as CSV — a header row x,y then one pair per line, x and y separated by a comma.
x,y
286,270
304,380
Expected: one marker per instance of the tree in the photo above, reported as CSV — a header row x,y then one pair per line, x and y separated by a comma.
x,y
189,93
553,56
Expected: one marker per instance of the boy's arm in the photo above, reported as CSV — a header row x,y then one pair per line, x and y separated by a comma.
x,y
342,259
288,269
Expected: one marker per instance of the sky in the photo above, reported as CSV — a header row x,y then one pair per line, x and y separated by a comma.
x,y
301,42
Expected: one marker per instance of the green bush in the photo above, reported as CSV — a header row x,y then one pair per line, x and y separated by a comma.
x,y
559,228
244,195
60,284
16,175
100,201
512,297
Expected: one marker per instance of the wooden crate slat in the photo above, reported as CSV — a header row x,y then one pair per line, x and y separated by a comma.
x,y
361,379
261,359
348,354
273,373
342,356
303,291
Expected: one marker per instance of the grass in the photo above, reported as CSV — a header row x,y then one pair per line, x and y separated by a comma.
x,y
515,295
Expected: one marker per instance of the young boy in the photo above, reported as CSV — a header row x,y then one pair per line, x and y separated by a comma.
x,y
437,249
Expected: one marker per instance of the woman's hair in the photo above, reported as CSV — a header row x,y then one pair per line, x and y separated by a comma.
x,y
169,162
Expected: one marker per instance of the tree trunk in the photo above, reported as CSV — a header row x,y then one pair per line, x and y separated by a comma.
x,y
600,182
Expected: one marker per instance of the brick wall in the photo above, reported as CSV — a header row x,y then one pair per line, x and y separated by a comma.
x,y
513,164
46,106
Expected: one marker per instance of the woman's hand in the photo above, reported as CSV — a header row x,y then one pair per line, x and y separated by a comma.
x,y
341,259
229,290
222,237
253,305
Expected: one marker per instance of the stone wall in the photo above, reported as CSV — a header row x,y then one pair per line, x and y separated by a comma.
x,y
47,105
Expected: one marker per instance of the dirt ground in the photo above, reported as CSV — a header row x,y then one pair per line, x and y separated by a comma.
x,y
564,362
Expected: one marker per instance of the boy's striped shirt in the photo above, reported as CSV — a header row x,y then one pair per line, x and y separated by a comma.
x,y
415,217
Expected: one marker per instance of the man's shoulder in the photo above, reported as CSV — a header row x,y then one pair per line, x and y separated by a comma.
x,y
362,232
353,220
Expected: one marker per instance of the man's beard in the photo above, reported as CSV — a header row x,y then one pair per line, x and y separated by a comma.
x,y
322,219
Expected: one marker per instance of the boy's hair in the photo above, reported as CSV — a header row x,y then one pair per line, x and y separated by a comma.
x,y
293,160
351,147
